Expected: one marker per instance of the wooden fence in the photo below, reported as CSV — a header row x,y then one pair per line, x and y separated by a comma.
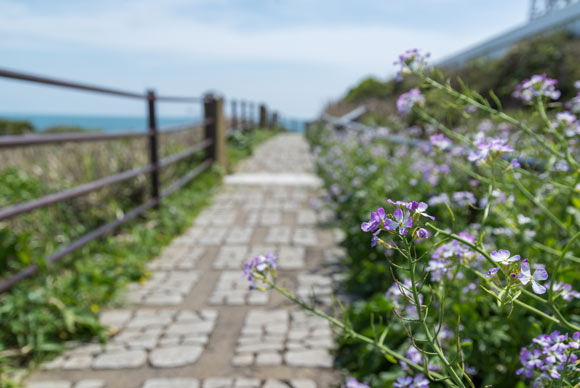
x,y
216,129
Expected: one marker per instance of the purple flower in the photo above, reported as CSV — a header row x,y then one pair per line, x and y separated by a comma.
x,y
547,357
486,148
420,381
407,381
407,101
537,86
492,272
403,220
574,104
403,381
515,163
419,208
464,198
411,60
504,257
351,382
525,277
375,239
422,233
440,142
261,264
566,291
375,222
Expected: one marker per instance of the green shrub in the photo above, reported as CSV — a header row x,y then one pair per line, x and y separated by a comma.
x,y
15,127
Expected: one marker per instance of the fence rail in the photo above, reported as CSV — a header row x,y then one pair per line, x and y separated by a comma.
x,y
213,145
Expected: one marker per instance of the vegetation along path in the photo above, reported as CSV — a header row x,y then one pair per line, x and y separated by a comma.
x,y
195,323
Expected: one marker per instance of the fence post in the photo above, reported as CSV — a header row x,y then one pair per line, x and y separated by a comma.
x,y
215,128
263,116
251,114
234,119
243,114
274,124
153,147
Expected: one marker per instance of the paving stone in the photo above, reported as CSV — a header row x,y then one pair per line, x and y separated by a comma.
x,y
115,318
90,384
268,358
186,260
302,383
78,362
314,287
212,236
239,235
120,360
232,288
270,218
171,383
309,358
306,217
163,288
291,257
231,257
166,338
174,356
49,384
278,235
305,236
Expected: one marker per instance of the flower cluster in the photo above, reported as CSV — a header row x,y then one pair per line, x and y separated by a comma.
x,y
549,358
537,86
574,104
440,264
525,276
440,142
407,101
567,123
565,291
418,381
263,265
486,148
400,221
351,382
411,60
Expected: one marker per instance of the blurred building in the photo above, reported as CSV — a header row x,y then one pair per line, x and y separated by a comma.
x,y
546,16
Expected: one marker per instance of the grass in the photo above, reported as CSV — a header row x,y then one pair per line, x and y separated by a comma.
x,y
41,315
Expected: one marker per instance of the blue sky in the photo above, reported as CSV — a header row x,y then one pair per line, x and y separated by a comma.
x,y
295,55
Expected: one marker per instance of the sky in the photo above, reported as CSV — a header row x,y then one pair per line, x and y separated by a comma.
x,y
293,55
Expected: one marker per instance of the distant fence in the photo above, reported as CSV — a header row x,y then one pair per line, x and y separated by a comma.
x,y
215,127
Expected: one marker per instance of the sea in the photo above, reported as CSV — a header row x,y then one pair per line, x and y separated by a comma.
x,y
42,122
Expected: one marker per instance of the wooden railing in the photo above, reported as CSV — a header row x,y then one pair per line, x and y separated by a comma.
x,y
213,144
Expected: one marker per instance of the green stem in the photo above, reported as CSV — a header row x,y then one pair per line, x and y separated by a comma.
x,y
430,338
558,135
540,205
559,263
335,322
493,112
560,318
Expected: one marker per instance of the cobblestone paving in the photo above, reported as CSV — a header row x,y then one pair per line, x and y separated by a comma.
x,y
195,324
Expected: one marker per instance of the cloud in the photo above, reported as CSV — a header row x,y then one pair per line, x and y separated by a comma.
x,y
310,49
151,27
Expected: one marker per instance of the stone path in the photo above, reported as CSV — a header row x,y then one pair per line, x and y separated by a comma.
x,y
195,324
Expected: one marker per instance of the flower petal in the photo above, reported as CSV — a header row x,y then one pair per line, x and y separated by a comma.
x,y
390,224
398,214
538,288
540,274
